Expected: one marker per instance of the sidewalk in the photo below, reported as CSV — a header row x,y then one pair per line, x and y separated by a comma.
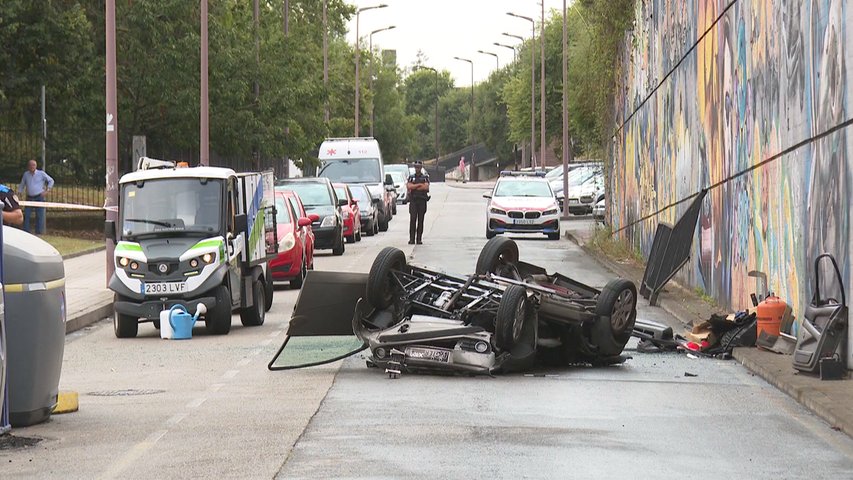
x,y
830,400
87,299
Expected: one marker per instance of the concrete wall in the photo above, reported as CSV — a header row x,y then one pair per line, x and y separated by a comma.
x,y
769,75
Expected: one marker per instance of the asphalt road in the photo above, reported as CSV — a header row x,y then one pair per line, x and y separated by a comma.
x,y
208,407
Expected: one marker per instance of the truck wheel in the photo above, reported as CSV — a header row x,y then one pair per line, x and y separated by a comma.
x,y
616,308
499,256
268,293
381,285
509,320
125,326
217,320
255,314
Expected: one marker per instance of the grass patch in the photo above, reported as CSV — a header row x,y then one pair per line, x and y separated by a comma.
x,y
704,296
71,245
615,248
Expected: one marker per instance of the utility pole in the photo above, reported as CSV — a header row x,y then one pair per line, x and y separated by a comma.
x,y
532,83
357,61
370,42
542,89
43,131
204,134
111,187
325,63
256,14
567,149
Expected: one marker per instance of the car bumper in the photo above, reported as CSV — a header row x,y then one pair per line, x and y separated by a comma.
x,y
326,237
150,310
286,266
504,225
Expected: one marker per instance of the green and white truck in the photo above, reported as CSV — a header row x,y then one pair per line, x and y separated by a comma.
x,y
190,236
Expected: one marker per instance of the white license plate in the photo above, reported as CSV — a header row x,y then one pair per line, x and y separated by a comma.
x,y
165,287
524,221
432,354
574,201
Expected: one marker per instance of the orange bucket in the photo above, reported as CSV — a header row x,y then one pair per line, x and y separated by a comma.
x,y
769,315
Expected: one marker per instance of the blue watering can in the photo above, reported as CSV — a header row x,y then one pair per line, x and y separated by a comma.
x,y
182,322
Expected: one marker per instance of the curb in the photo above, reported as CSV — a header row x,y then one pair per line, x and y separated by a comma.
x,y
85,319
83,252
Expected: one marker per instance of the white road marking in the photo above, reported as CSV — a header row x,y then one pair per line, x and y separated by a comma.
x,y
176,419
230,374
133,454
197,402
244,362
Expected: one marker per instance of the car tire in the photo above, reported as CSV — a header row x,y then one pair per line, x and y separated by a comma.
x,y
509,320
339,248
358,235
255,314
268,293
394,209
381,284
350,238
616,309
383,225
499,256
375,226
297,282
125,326
554,236
490,234
217,320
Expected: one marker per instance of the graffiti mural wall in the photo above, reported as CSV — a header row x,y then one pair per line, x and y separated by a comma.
x,y
767,77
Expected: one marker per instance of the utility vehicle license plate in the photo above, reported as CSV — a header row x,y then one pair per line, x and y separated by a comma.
x,y
433,354
165,287
523,221
574,201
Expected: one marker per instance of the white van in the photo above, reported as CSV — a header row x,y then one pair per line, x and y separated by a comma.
x,y
358,160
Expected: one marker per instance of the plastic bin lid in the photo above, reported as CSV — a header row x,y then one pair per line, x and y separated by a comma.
x,y
29,259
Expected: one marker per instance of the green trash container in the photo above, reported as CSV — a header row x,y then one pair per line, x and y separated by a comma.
x,y
34,284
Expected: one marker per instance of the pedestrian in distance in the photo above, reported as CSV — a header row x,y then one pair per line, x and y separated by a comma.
x,y
462,169
418,187
12,214
36,183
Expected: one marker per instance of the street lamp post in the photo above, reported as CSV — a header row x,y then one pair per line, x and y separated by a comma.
x,y
372,116
357,59
542,88
567,149
532,83
506,46
497,60
437,150
471,133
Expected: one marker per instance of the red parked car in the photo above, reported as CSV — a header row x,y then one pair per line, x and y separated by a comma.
x,y
350,212
295,241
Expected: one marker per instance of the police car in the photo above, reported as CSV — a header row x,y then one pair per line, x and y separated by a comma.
x,y
522,203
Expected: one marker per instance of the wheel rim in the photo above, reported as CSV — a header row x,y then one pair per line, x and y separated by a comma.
x,y
622,309
259,305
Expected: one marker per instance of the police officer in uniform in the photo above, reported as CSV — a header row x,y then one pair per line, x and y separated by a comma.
x,y
418,187
12,214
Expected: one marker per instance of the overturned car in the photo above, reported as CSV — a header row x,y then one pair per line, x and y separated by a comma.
x,y
505,317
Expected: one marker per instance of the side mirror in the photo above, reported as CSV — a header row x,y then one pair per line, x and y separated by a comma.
x,y
487,195
304,222
314,217
388,179
354,201
343,202
110,230
241,222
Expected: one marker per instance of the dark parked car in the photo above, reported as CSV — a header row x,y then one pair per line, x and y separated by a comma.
x,y
318,196
367,207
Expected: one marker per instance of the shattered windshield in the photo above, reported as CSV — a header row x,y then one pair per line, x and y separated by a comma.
x,y
171,205
356,170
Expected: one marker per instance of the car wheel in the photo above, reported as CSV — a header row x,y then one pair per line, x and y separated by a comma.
x,y
509,321
255,314
381,284
297,282
125,326
394,209
217,320
554,236
499,256
616,308
383,225
339,248
490,234
350,238
358,235
375,226
268,293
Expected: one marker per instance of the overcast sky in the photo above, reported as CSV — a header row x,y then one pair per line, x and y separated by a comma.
x,y
444,29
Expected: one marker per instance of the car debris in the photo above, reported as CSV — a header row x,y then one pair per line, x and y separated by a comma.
x,y
506,317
